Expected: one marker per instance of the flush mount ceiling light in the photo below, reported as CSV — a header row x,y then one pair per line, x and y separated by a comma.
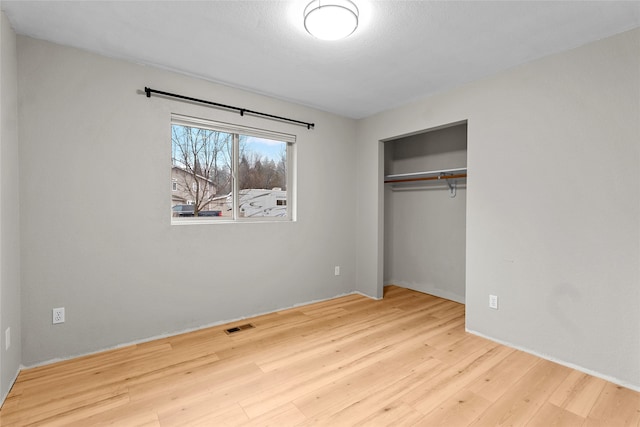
x,y
331,19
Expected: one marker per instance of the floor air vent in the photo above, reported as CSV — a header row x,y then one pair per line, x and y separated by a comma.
x,y
239,328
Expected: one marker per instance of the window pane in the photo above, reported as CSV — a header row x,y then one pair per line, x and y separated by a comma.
x,y
262,177
201,171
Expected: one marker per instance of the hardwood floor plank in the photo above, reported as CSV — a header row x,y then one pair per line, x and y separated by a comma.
x,y
617,406
493,383
74,414
456,376
199,413
384,400
174,390
328,371
49,403
356,386
405,360
356,340
458,410
522,400
283,416
578,393
321,341
119,418
550,415
394,415
446,337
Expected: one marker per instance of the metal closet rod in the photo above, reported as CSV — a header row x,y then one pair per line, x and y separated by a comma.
x,y
149,91
427,178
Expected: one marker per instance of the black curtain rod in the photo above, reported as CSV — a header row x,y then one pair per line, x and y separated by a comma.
x,y
149,91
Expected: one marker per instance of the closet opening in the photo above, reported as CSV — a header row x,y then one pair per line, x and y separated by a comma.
x,y
425,195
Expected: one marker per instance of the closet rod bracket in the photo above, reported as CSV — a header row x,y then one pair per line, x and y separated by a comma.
x,y
451,183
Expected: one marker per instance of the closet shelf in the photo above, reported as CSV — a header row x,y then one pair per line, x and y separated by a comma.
x,y
446,174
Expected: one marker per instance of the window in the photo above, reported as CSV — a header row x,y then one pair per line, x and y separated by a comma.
x,y
230,173
174,185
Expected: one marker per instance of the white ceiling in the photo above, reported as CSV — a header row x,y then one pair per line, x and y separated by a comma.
x,y
402,50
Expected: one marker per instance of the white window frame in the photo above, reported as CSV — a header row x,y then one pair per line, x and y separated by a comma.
x,y
236,131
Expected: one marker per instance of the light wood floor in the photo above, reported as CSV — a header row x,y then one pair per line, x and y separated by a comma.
x,y
405,360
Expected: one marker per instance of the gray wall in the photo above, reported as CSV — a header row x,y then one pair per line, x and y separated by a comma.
x,y
424,227
553,206
9,210
95,188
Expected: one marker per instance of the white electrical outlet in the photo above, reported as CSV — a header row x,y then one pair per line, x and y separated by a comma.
x,y
7,338
336,271
493,302
58,315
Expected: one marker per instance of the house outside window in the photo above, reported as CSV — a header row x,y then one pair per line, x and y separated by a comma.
x,y
228,173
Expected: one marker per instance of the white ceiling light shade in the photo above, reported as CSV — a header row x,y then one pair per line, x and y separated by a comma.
x,y
331,19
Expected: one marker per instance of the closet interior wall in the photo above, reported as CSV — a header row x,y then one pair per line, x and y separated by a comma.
x,y
424,229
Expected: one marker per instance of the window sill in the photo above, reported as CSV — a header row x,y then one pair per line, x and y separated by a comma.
x,y
176,221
